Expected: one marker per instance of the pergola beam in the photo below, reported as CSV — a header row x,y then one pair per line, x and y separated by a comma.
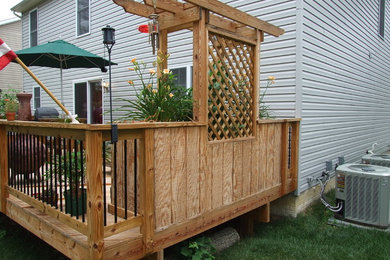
x,y
167,19
133,7
240,31
237,15
171,6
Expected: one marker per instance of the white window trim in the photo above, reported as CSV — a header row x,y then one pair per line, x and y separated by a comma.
x,y
33,97
87,80
188,73
29,27
89,19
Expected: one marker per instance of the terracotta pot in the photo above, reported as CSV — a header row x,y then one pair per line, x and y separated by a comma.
x,y
24,111
10,116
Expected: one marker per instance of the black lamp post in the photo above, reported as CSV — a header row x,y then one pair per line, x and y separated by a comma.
x,y
109,41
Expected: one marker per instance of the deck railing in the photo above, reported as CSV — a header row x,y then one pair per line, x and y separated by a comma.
x,y
158,176
65,171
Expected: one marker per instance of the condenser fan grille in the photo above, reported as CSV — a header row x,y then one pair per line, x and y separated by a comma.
x,y
362,199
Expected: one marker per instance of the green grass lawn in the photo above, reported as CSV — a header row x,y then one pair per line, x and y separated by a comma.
x,y
306,237
310,237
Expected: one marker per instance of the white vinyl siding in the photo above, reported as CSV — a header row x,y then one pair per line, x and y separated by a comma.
x,y
346,84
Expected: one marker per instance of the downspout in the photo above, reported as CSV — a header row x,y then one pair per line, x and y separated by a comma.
x,y
299,79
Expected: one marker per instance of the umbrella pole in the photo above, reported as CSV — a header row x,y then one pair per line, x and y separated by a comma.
x,y
62,91
46,90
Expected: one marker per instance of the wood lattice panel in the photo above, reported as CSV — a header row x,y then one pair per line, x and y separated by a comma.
x,y
231,88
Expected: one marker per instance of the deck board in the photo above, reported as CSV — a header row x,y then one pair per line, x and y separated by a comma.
x,y
65,239
163,180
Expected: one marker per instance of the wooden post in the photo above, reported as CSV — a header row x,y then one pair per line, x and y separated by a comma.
x,y
263,213
147,187
95,206
200,69
246,224
163,38
294,154
3,169
155,256
284,156
256,82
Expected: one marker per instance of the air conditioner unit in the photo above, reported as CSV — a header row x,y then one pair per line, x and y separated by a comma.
x,y
365,193
377,159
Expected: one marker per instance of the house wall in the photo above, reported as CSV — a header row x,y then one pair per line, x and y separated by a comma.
x,y
345,83
330,67
11,33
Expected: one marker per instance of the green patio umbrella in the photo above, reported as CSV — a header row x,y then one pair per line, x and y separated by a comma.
x,y
63,55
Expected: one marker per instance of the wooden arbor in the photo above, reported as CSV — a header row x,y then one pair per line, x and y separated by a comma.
x,y
226,47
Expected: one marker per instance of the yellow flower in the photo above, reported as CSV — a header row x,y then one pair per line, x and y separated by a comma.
x,y
272,78
152,71
133,60
154,91
130,82
166,71
149,86
131,68
170,95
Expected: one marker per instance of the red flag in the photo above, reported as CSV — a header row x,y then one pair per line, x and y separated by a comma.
x,y
6,54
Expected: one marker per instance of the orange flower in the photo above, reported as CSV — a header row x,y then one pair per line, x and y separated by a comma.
x,y
6,99
171,95
131,68
152,71
133,60
166,71
130,82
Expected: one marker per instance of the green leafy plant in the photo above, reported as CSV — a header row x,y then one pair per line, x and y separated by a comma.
x,y
8,101
159,98
70,168
198,249
264,110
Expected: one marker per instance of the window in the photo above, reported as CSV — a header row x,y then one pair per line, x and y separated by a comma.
x,y
382,4
82,17
183,76
88,101
37,97
34,28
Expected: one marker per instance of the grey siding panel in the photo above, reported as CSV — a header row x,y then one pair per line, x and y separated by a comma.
x,y
346,84
11,76
57,19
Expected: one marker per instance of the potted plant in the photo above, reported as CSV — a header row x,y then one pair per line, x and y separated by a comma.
x,y
71,171
10,106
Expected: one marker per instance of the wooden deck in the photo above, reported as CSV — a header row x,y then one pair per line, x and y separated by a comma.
x,y
187,185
